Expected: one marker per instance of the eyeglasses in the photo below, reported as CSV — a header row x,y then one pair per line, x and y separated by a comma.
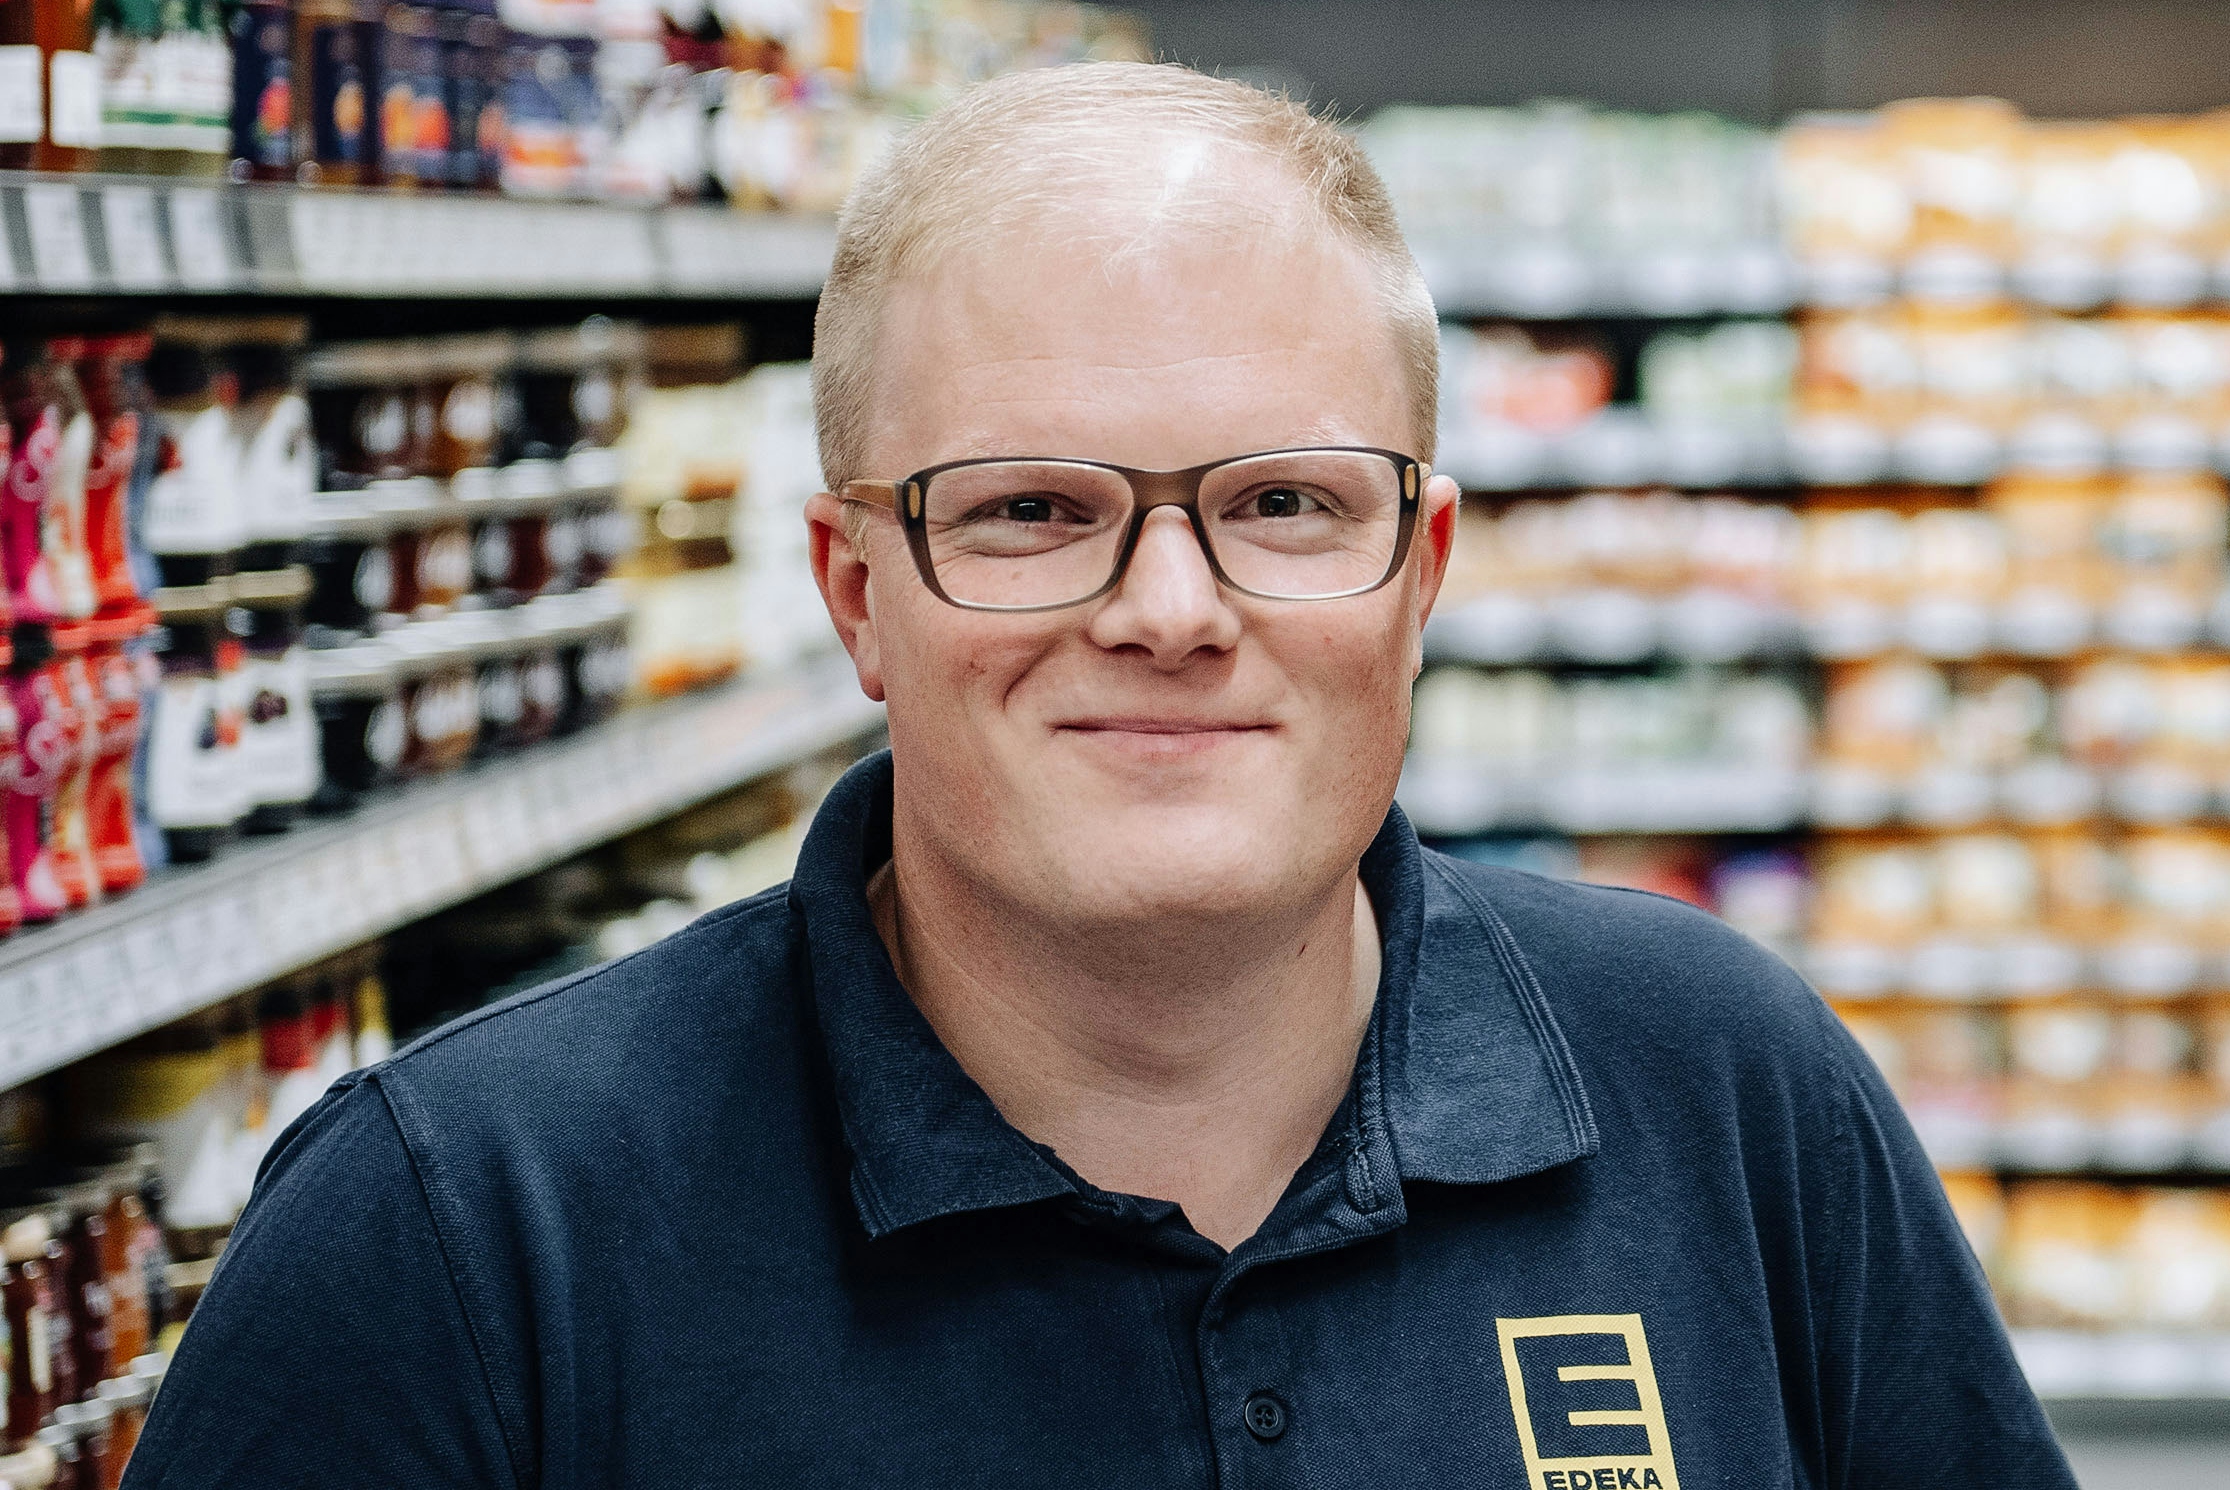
x,y
1030,534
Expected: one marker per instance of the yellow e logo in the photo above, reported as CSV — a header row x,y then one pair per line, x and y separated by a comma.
x,y
1573,1464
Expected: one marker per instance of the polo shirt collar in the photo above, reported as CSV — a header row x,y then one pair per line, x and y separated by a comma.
x,y
1472,1080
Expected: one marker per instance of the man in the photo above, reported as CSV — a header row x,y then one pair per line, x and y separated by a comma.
x,y
1119,1095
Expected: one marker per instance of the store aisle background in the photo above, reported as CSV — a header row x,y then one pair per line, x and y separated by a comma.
x,y
1868,585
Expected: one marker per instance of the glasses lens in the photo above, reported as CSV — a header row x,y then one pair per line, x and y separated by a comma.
x,y
1306,523
1024,532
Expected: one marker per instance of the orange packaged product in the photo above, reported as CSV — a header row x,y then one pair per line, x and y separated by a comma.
x,y
1851,579
1972,361
2084,384
2167,178
1845,203
2054,580
1961,159
2064,1261
2069,218
2178,1249
1859,364
2194,733
1987,884
1879,893
2180,366
1956,579
2162,540
1885,715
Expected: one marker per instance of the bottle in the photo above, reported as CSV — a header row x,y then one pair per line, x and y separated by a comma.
x,y
51,452
114,388
263,87
11,904
194,789
70,838
22,86
337,47
109,806
37,1326
44,727
192,520
73,86
414,125
279,736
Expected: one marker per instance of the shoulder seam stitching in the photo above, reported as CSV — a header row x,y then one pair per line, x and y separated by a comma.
x,y
421,1166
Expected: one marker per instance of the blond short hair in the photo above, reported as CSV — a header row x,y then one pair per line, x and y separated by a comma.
x,y
1008,149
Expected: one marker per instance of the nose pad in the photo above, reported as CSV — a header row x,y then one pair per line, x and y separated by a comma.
x,y
1168,547
1169,601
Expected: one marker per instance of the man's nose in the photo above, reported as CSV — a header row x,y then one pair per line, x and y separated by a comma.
x,y
1168,602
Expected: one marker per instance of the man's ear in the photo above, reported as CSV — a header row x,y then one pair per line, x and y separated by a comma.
x,y
840,568
1435,541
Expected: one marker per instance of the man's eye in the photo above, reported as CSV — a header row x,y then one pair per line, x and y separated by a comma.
x,y
1282,501
1027,510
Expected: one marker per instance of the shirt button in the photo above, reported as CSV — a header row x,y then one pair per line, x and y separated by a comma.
x,y
1265,1416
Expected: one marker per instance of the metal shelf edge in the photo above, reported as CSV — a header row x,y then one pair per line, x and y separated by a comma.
x,y
196,937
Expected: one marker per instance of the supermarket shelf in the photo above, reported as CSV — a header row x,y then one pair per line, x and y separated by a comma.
x,y
165,236
2148,277
1609,626
2125,1365
1557,281
1625,447
1618,447
1480,273
197,936
1452,798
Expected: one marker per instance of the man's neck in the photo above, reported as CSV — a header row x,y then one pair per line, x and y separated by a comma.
x,y
1208,1087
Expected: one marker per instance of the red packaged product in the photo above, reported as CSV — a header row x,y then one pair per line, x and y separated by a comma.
x,y
45,459
108,372
108,793
46,734
70,838
11,904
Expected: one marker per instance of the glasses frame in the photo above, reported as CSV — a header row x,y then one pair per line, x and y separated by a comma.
x,y
1150,492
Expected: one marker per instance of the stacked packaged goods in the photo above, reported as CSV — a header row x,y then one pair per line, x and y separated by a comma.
x,y
765,105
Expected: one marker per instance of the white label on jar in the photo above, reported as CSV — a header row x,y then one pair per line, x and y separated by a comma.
x,y
74,99
190,762
22,99
278,748
385,735
375,580
38,1332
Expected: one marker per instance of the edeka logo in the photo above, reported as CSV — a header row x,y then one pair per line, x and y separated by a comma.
x,y
1600,1423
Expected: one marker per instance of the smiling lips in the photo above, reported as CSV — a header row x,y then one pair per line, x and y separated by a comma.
x,y
1160,735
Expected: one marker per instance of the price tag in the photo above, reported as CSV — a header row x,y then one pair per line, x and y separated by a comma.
x,y
154,969
277,911
15,1032
10,276
247,959
187,931
515,825
480,828
45,1004
135,241
59,251
198,238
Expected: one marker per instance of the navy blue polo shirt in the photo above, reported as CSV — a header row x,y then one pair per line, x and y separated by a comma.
x,y
1612,1202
